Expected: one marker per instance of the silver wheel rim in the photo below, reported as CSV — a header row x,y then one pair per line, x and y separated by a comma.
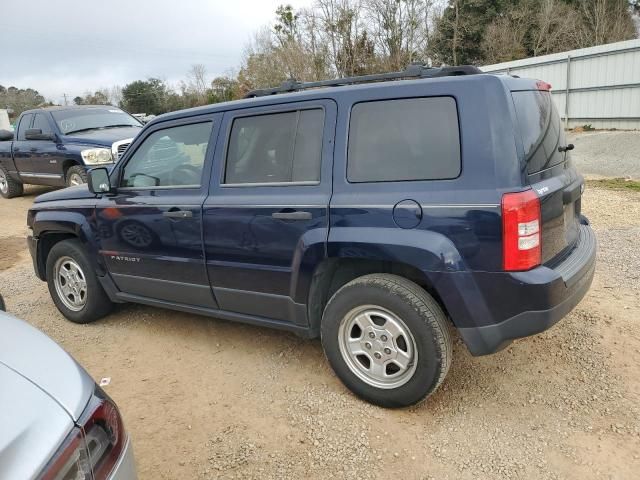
x,y
378,347
70,283
4,185
75,179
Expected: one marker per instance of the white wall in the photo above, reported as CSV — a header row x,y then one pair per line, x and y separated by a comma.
x,y
603,83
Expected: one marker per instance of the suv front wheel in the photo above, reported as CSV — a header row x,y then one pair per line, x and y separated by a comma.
x,y
387,340
73,284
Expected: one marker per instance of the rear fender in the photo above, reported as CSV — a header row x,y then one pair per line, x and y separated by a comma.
x,y
430,252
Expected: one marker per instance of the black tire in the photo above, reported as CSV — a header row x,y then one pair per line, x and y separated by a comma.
x,y
9,187
422,316
73,173
97,303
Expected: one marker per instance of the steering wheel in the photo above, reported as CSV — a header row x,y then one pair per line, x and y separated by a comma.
x,y
186,174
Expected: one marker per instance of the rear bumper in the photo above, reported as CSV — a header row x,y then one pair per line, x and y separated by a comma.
x,y
553,291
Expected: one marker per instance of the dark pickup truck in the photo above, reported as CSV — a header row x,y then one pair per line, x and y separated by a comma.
x,y
55,146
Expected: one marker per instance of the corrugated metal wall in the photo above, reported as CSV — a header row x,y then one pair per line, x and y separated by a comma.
x,y
602,83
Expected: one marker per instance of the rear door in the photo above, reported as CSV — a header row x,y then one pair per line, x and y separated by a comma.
x,y
266,219
151,229
549,170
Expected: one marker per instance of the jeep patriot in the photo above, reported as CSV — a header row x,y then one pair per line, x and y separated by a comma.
x,y
373,212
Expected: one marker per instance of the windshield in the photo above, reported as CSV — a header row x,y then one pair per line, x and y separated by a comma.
x,y
80,120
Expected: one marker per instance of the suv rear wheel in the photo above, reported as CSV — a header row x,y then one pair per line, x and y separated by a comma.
x,y
9,187
73,284
387,339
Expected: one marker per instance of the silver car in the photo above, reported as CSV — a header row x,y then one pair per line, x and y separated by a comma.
x,y
55,422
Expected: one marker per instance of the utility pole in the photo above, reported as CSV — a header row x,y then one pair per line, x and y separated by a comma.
x,y
65,99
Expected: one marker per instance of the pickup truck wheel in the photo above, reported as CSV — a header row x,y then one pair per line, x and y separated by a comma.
x,y
76,176
9,187
73,284
387,339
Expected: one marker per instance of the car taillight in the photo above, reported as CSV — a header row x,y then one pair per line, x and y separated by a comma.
x,y
93,446
520,230
541,85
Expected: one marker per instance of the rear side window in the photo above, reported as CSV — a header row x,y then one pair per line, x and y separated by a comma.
x,y
407,139
540,129
276,148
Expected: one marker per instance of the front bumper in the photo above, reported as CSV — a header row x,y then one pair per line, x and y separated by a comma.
x,y
125,469
554,292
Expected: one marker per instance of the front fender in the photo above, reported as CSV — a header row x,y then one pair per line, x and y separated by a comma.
x,y
80,223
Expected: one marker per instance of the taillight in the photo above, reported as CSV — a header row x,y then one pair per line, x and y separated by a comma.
x,y
542,85
520,230
95,445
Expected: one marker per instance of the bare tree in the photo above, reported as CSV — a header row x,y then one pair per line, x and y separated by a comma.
x,y
197,82
606,21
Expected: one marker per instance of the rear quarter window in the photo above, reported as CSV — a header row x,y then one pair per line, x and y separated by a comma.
x,y
540,129
404,139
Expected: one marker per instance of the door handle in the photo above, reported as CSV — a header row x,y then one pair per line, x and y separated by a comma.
x,y
16,149
292,215
178,214
34,149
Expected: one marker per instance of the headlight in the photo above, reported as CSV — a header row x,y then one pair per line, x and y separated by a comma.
x,y
96,156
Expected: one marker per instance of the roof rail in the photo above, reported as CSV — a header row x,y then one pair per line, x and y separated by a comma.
x,y
412,71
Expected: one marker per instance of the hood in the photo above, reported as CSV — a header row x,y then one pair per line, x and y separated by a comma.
x,y
103,138
33,425
79,192
31,354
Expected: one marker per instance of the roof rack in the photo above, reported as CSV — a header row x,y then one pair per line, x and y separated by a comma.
x,y
412,71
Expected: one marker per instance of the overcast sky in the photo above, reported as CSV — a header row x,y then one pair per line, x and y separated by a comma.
x,y
71,46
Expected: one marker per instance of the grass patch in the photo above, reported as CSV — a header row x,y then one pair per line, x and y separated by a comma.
x,y
616,184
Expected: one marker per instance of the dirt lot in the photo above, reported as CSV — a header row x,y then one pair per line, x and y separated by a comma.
x,y
204,398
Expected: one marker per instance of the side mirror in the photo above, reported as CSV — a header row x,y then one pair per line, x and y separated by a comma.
x,y
98,180
6,135
2,305
36,134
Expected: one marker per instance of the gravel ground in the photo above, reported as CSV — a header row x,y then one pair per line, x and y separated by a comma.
x,y
607,153
205,399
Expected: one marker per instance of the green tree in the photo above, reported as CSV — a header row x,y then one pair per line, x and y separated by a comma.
x,y
145,96
17,100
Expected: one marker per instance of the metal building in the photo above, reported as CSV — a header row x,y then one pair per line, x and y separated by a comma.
x,y
599,85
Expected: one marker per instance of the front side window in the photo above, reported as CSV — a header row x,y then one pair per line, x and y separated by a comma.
x,y
172,157
25,124
406,139
275,148
41,122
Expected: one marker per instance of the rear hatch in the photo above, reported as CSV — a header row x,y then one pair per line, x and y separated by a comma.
x,y
550,172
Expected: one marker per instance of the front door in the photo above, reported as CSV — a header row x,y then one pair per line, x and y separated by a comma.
x,y
46,158
151,229
266,219
22,149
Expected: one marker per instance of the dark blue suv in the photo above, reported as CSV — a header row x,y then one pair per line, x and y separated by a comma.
x,y
374,213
